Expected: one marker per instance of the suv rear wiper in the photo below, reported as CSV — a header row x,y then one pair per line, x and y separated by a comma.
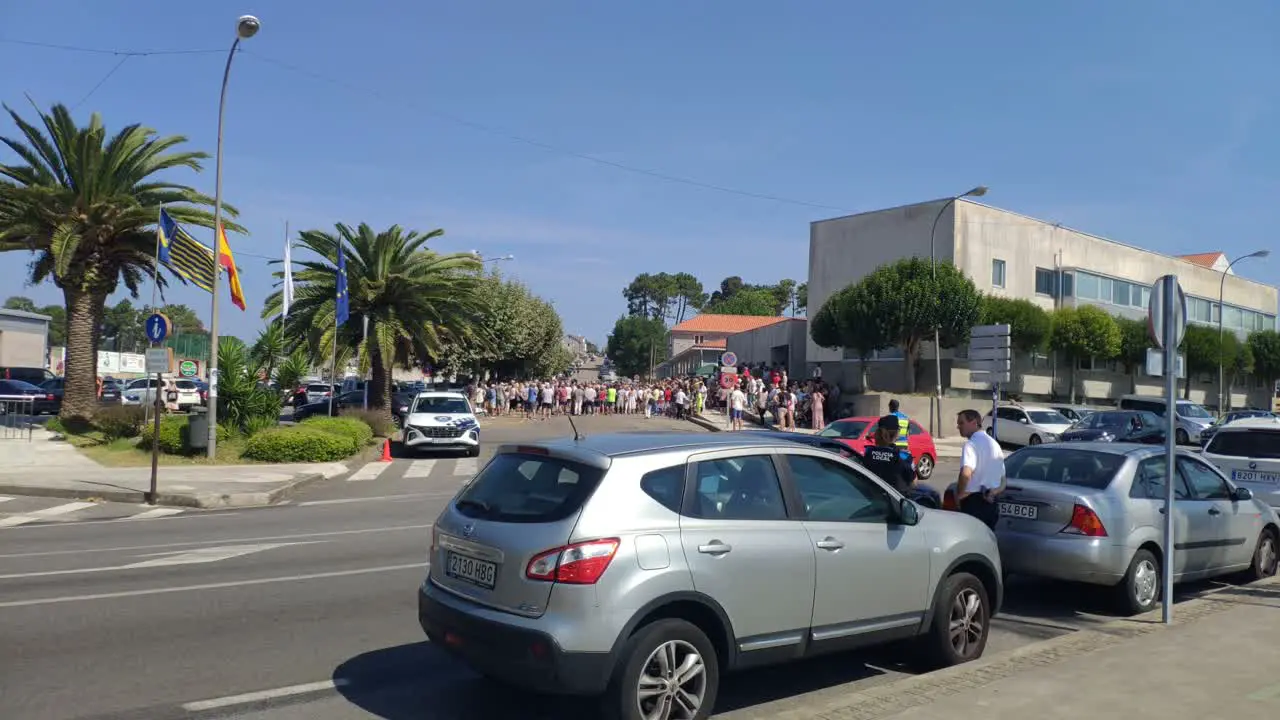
x,y
479,505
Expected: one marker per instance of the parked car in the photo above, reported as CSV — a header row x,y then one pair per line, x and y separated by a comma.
x,y
326,406
637,566
30,375
316,392
1118,426
1094,513
140,392
1207,434
859,432
1026,424
923,495
51,403
1248,452
1074,413
1191,418
112,391
18,397
441,421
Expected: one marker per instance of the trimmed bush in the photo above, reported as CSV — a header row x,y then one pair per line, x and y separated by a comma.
x,y
257,424
120,421
299,444
359,431
173,431
377,420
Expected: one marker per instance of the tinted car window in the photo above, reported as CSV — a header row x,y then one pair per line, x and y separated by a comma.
x,y
440,404
526,488
1204,482
1048,417
17,387
845,429
1255,443
666,486
740,488
1083,468
833,492
1149,481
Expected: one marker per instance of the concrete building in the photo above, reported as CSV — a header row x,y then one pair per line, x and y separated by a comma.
x,y
24,339
783,343
701,340
1017,256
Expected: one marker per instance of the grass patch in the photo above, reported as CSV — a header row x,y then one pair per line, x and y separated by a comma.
x,y
126,453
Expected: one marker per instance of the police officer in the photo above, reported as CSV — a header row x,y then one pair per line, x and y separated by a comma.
x,y
904,424
890,462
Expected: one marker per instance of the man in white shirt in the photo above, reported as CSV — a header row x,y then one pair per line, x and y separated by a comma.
x,y
982,477
681,399
737,403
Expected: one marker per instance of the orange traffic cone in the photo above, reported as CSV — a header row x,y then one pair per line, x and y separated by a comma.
x,y
386,451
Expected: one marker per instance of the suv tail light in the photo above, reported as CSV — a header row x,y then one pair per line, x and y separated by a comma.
x,y
1084,521
578,564
49,396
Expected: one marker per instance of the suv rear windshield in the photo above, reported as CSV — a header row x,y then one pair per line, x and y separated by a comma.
x,y
318,388
528,488
1082,468
1254,443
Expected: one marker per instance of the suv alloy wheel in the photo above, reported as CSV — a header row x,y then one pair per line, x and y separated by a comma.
x,y
668,670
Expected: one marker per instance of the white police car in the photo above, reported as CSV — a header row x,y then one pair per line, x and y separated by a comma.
x,y
443,420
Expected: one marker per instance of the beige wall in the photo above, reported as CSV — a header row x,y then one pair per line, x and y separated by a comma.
x,y
682,340
23,339
757,346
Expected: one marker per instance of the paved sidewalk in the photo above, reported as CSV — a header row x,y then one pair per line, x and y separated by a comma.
x,y
1218,660
716,421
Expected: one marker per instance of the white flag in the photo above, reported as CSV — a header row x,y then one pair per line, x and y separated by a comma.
x,y
287,292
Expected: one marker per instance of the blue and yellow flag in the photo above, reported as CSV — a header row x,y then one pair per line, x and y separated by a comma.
x,y
344,303
187,257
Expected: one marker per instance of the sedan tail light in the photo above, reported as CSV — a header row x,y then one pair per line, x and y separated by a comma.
x,y
1084,521
578,564
50,396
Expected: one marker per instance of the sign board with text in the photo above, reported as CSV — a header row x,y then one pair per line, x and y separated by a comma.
x,y
159,360
990,354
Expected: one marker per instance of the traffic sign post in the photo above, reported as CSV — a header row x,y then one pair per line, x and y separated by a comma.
x,y
157,327
728,358
990,361
1167,321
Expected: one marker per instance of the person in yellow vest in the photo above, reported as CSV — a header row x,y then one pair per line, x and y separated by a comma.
x,y
904,424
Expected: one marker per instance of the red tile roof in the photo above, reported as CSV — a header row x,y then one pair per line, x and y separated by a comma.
x,y
725,324
1205,260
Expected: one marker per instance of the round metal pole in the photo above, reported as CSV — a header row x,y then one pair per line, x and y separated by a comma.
x,y
936,420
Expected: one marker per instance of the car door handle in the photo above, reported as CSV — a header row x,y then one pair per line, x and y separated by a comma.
x,y
829,543
1214,511
715,547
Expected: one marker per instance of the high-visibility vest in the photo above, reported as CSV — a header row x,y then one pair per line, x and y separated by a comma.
x,y
904,425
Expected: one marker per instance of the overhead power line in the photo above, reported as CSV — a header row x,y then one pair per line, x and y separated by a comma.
x,y
104,51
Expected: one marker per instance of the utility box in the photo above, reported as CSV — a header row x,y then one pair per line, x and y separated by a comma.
x,y
198,429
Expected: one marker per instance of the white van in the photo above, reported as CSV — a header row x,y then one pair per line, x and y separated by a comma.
x,y
1191,417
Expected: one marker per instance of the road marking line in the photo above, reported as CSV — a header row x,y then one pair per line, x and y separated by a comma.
x,y
344,501
194,557
5,499
45,513
371,471
262,695
224,541
156,513
209,586
466,466
420,469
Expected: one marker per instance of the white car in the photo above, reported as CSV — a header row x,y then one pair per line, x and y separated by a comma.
x,y
140,392
1248,452
1027,424
442,420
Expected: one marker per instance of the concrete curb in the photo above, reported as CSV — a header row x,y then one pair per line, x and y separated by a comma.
x,y
896,696
703,422
207,500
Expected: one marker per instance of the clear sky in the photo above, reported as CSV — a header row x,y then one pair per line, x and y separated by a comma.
x,y
1148,121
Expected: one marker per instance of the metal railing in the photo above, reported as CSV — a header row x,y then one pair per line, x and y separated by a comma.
x,y
17,417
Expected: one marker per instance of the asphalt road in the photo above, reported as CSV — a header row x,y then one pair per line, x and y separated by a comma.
x,y
307,611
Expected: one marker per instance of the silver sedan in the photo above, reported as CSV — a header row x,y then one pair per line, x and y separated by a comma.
x,y
1093,512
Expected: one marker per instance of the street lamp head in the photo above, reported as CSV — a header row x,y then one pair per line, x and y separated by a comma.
x,y
976,192
247,26
1261,254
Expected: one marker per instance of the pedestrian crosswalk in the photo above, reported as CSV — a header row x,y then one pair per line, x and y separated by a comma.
x,y
430,468
27,511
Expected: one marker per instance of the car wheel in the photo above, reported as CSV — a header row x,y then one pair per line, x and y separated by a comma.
x,y
1265,557
1139,591
924,467
1035,440
473,451
667,670
961,623
1182,437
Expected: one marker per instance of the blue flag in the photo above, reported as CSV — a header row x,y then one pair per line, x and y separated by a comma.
x,y
344,305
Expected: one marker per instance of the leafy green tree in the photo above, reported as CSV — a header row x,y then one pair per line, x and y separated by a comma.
x,y
751,301
243,403
1200,345
1264,347
1135,340
86,204
802,299
184,319
516,334
1084,332
637,344
415,299
122,329
19,303
848,320
1029,324
269,348
908,303
650,295
293,367
1240,363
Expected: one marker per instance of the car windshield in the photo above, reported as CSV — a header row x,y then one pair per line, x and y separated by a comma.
x,y
1253,443
1048,417
845,429
1081,468
17,387
528,488
317,388
1188,409
1109,420
440,404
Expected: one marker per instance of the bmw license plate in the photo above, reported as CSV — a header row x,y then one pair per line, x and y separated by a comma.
x,y
1019,510
1255,476
469,569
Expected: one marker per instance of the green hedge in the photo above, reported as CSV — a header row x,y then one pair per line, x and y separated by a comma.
x,y
175,435
299,444
358,430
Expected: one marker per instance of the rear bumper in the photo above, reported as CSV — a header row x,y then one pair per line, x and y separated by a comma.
x,y
1097,561
514,655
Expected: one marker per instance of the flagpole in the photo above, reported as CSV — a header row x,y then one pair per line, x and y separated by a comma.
x,y
333,385
360,362
155,261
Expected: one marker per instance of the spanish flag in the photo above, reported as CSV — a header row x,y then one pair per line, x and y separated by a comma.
x,y
228,263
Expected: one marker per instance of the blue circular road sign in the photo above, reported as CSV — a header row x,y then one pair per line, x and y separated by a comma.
x,y
157,327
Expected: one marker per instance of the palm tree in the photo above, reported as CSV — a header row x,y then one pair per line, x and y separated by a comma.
x,y
416,299
269,347
86,205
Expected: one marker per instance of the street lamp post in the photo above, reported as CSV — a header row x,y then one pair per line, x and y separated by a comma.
x,y
937,331
1222,289
246,27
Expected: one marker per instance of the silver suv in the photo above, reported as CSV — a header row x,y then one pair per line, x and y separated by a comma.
x,y
640,567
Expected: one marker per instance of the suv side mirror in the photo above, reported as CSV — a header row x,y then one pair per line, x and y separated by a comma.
x,y
908,513
1242,494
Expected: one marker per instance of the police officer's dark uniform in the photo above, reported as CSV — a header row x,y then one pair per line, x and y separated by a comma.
x,y
887,460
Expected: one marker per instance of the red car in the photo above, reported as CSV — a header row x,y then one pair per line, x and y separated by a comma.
x,y
859,432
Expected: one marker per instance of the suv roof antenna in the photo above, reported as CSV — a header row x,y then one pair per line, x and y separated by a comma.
x,y
576,435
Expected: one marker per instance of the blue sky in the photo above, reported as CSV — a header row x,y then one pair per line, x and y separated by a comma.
x,y
1148,121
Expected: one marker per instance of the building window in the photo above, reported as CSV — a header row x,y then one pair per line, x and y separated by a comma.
x,y
1068,288
697,339
1088,286
997,273
1044,282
